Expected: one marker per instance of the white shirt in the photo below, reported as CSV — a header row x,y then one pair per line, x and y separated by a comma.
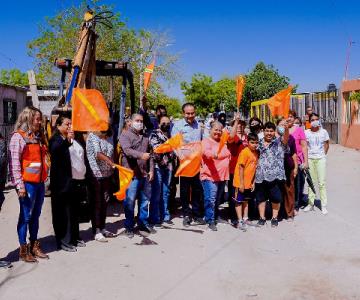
x,y
78,167
316,141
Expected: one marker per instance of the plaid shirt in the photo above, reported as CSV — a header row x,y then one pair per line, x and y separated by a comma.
x,y
164,160
16,148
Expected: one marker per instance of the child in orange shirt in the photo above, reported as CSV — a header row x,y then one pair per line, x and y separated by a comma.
x,y
244,179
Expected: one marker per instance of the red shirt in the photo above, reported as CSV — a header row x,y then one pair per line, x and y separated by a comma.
x,y
235,147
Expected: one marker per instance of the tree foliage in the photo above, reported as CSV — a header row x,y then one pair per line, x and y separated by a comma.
x,y
58,38
209,96
14,77
263,82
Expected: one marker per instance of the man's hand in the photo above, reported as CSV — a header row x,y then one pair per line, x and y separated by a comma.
x,y
237,117
305,165
22,193
145,156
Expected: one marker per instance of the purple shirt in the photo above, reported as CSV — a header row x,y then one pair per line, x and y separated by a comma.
x,y
299,135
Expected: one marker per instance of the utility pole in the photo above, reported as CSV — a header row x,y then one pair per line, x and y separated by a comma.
x,y
141,81
33,89
348,59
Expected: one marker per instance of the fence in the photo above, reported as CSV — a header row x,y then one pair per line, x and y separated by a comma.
x,y
6,130
323,103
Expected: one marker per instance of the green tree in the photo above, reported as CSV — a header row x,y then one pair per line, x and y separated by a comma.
x,y
58,38
200,91
225,93
262,82
14,77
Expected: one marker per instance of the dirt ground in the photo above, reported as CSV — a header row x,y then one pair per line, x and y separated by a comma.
x,y
314,257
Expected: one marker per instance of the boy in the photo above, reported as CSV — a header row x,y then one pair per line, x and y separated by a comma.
x,y
244,179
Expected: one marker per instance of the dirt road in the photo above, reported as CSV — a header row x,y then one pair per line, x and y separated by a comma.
x,y
314,257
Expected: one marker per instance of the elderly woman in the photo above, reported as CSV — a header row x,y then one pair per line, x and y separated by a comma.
x,y
100,155
28,172
214,172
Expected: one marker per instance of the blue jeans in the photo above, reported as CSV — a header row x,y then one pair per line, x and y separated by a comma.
x,y
140,188
160,193
212,196
30,210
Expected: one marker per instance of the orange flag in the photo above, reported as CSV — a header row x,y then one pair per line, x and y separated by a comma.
x,y
223,140
190,165
240,83
89,110
279,104
147,74
170,145
125,177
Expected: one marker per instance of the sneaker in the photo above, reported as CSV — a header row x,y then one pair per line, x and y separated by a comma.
x,y
235,223
261,222
157,225
169,222
186,222
248,222
274,222
129,233
308,208
212,227
80,243
100,238
324,211
199,221
147,229
108,234
5,264
242,225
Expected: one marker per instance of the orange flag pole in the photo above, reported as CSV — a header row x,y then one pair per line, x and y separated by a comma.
x,y
240,83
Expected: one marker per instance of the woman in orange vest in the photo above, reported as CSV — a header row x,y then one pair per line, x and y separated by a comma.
x,y
28,172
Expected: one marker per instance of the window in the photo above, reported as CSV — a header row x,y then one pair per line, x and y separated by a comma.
x,y
10,109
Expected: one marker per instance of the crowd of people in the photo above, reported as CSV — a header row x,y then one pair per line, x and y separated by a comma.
x,y
259,164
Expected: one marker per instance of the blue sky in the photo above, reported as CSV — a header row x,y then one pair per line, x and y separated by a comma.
x,y
305,40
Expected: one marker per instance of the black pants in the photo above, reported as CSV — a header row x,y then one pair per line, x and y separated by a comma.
x,y
65,211
191,191
99,198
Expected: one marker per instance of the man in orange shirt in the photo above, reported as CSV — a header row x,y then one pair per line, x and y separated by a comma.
x,y
244,179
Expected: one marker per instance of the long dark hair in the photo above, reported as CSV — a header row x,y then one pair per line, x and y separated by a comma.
x,y
58,122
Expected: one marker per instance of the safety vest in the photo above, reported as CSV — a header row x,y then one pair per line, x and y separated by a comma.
x,y
34,168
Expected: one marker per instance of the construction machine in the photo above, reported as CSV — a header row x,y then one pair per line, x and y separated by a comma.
x,y
84,69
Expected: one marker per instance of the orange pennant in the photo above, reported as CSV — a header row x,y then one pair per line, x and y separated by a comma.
x,y
240,83
125,177
223,140
279,104
190,165
147,75
89,110
171,144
